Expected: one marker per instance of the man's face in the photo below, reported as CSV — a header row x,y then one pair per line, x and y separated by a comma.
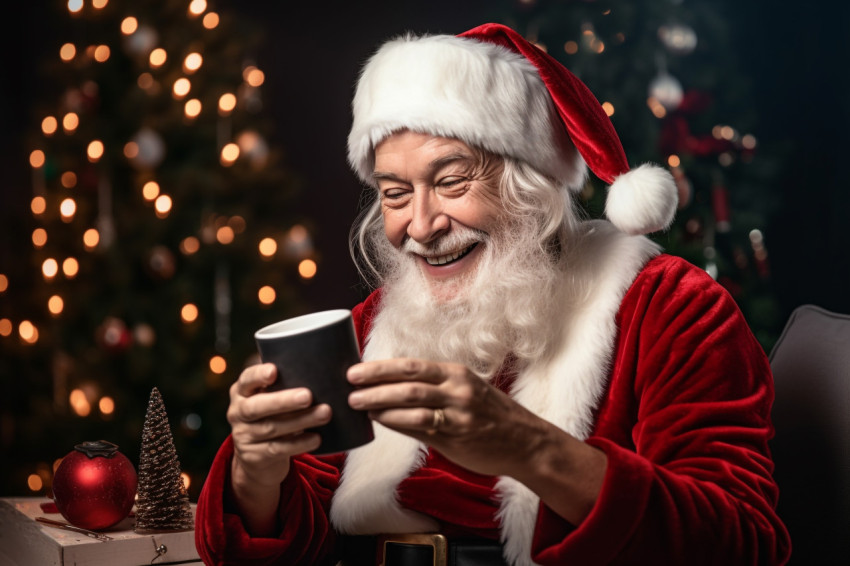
x,y
439,203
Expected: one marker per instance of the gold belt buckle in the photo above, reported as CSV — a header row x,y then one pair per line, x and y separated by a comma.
x,y
434,540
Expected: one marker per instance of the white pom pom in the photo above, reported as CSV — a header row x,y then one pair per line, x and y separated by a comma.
x,y
643,200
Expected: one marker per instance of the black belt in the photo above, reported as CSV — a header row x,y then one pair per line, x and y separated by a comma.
x,y
420,550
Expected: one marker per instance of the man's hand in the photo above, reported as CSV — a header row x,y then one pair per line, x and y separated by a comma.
x,y
480,428
267,430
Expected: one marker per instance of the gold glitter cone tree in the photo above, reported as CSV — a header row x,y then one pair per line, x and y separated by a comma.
x,y
163,502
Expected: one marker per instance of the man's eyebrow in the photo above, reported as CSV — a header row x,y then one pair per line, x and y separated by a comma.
x,y
441,162
434,165
382,176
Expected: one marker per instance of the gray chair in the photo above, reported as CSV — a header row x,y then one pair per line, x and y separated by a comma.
x,y
811,449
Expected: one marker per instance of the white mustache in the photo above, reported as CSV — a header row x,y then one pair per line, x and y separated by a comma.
x,y
459,238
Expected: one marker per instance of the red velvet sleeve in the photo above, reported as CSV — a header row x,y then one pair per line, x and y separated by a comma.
x,y
685,425
306,536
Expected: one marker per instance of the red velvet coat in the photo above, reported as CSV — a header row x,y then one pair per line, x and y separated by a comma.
x,y
684,421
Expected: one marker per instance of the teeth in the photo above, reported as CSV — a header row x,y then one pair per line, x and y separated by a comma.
x,y
444,259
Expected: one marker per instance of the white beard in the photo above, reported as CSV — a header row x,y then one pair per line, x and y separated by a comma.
x,y
504,308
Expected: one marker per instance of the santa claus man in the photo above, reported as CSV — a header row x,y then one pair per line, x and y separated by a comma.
x,y
545,388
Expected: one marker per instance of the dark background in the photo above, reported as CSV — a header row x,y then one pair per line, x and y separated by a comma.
x,y
796,55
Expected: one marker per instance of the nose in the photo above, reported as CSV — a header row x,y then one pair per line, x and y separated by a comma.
x,y
429,220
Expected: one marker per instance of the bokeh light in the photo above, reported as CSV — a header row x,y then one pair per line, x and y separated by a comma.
x,y
55,305
28,332
189,313
210,20
39,237
225,235
181,88
49,125
192,62
218,365
190,245
197,7
266,295
226,103
253,76
192,108
68,208
70,267
229,154
129,25
158,57
79,403
68,179
37,159
49,268
131,150
268,247
307,268
150,190
106,405
91,238
102,53
34,482
38,205
162,205
94,151
67,52
70,122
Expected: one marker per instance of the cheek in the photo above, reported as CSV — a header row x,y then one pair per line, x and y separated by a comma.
x,y
395,226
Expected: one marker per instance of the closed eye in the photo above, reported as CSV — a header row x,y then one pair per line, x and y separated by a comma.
x,y
394,197
450,181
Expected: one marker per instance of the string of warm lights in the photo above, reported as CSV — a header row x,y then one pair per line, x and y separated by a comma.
x,y
161,70
143,146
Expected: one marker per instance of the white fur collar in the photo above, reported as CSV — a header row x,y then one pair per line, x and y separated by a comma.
x,y
564,389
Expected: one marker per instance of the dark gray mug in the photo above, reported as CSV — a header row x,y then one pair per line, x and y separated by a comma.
x,y
315,351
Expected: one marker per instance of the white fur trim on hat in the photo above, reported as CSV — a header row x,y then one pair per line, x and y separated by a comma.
x,y
480,93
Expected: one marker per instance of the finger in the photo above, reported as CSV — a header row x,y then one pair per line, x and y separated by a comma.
x,y
418,420
398,369
282,426
382,396
264,405
253,379
291,445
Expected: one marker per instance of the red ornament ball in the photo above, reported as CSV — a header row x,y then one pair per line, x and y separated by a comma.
x,y
95,485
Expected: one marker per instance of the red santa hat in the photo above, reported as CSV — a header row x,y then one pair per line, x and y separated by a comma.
x,y
492,89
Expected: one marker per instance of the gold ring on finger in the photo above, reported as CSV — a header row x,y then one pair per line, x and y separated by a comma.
x,y
438,421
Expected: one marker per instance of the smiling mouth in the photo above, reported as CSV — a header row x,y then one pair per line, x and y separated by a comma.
x,y
450,258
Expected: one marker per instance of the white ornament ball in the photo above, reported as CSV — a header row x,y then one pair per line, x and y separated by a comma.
x,y
678,38
141,42
151,149
667,90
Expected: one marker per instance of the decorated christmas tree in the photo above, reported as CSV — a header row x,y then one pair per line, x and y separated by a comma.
x,y
665,71
162,503
155,236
